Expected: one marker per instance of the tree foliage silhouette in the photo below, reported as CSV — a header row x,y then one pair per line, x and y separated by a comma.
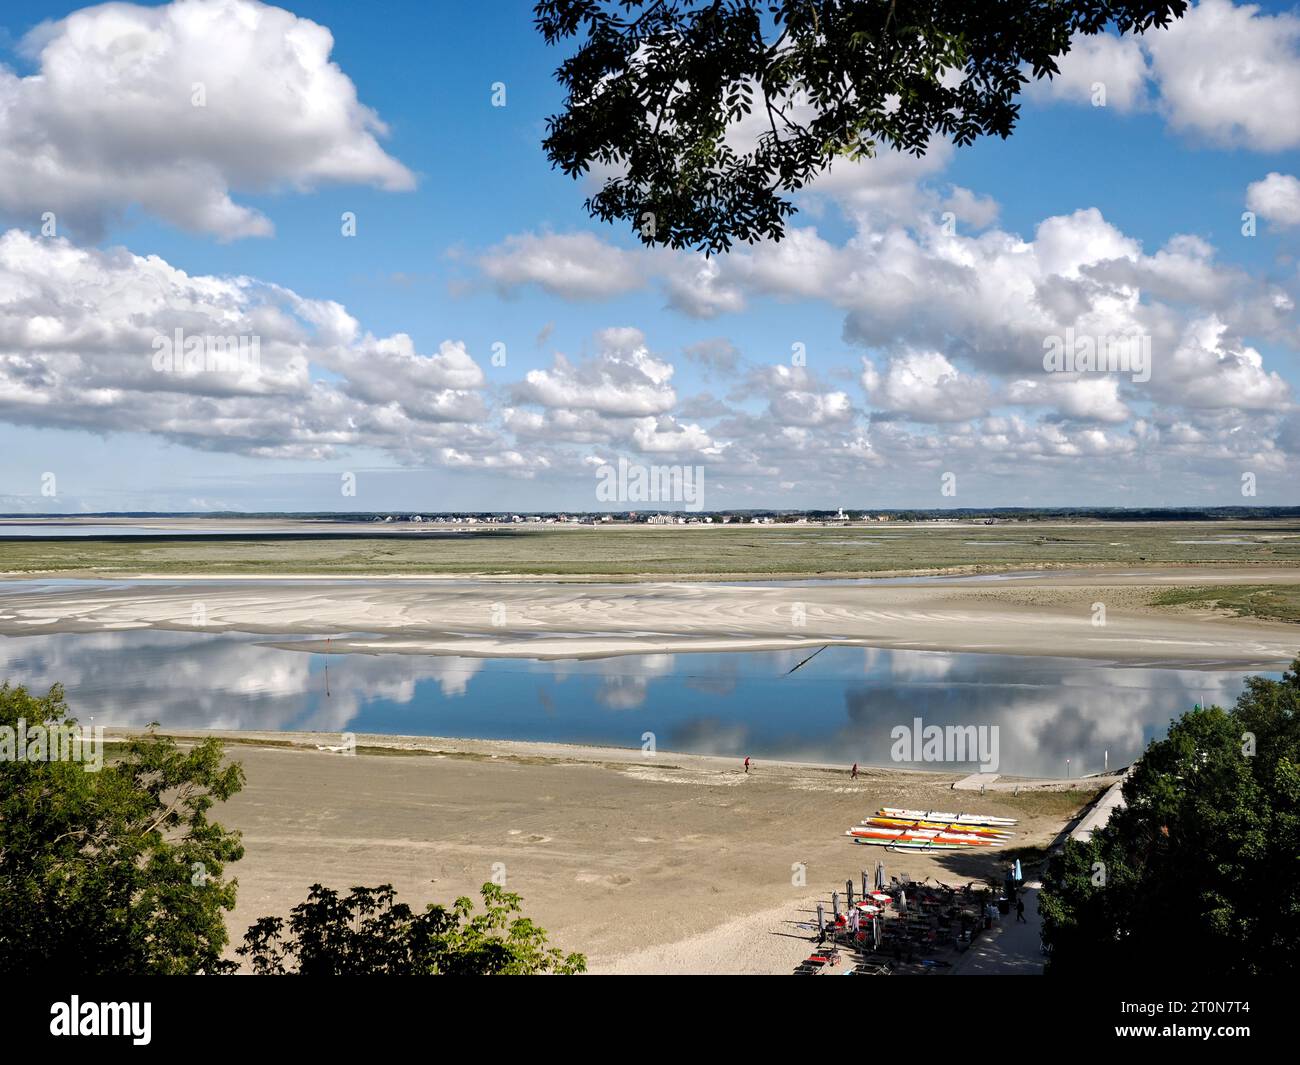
x,y
660,94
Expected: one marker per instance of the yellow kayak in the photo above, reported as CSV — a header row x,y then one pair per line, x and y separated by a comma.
x,y
944,826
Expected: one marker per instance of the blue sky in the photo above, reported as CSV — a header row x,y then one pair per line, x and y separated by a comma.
x,y
489,245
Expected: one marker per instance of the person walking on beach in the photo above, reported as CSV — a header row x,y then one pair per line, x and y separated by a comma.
x,y
855,771
746,765
1020,911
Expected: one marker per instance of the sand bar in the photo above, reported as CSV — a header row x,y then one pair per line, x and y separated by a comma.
x,y
1051,614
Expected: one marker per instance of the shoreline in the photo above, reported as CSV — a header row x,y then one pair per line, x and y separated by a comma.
x,y
555,752
1274,571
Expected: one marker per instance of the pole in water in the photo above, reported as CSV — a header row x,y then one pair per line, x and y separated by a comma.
x,y
806,660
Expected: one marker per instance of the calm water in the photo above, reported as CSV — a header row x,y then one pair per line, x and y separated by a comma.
x,y
839,708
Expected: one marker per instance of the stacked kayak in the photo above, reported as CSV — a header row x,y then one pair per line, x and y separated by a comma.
x,y
930,830
983,831
868,833
933,815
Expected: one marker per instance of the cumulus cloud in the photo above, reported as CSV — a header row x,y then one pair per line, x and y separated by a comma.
x,y
173,108
389,371
796,398
888,185
925,386
1231,74
715,355
1276,198
1085,398
1115,64
692,285
88,340
623,380
967,206
1212,368
666,434
957,324
1223,73
578,266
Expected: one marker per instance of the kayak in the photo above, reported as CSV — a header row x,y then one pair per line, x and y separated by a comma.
x,y
922,833
944,826
911,845
935,815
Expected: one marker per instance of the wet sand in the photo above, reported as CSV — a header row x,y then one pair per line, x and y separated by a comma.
x,y
1055,613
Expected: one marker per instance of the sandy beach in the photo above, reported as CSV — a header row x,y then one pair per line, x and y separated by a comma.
x,y
1101,614
667,864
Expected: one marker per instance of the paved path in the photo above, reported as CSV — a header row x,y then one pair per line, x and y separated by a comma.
x,y
1008,948
1100,814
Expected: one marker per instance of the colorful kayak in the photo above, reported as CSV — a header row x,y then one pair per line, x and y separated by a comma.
x,y
965,838
943,826
936,815
911,845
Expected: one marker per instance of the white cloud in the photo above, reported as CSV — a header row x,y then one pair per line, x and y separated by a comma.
x,y
83,337
623,380
1276,198
388,370
1115,63
1227,74
1231,74
925,386
978,211
666,434
578,266
795,398
693,288
1211,368
1084,398
108,122
886,185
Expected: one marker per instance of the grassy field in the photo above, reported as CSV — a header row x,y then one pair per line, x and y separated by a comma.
x,y
639,552
1272,603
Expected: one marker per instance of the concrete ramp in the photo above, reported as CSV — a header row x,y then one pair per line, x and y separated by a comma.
x,y
975,782
1099,815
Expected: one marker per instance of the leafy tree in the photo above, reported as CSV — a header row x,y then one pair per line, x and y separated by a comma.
x,y
1200,871
657,90
369,933
117,870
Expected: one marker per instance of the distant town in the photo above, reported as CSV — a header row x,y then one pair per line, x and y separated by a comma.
x,y
840,516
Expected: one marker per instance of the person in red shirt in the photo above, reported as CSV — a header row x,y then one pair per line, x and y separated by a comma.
x,y
746,763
